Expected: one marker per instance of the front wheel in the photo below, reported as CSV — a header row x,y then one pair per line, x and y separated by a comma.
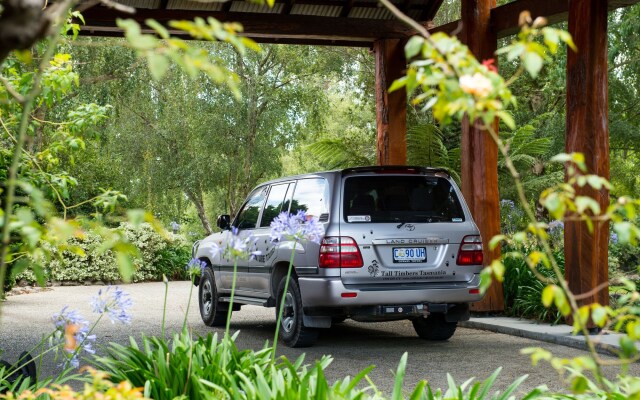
x,y
292,329
212,311
434,327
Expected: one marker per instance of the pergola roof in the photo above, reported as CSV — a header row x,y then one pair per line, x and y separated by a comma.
x,y
355,23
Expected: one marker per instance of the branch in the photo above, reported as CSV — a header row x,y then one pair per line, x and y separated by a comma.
x,y
11,90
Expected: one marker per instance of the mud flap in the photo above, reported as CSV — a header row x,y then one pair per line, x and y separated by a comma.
x,y
315,321
457,312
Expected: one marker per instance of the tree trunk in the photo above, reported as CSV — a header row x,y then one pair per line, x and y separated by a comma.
x,y
196,199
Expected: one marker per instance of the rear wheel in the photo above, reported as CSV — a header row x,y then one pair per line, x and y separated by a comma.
x,y
292,330
434,327
212,311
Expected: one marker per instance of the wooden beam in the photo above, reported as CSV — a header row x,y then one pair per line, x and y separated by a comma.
x,y
504,19
117,33
391,108
586,253
479,153
267,26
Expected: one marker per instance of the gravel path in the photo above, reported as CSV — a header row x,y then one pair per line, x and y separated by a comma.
x,y
24,319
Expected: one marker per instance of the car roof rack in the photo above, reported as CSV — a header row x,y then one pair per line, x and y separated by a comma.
x,y
396,168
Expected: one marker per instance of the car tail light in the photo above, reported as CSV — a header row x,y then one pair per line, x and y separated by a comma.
x,y
470,252
339,252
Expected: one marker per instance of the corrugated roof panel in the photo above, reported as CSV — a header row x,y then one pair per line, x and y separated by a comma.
x,y
414,14
141,3
370,13
210,5
319,11
243,6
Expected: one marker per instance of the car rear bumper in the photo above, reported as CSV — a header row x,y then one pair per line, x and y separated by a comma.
x,y
331,292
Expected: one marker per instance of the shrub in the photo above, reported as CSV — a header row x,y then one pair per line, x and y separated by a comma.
x,y
523,290
627,256
84,259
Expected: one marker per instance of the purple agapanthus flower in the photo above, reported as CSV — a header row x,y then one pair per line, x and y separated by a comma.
x,y
556,226
507,204
240,247
613,238
115,302
72,333
296,227
195,267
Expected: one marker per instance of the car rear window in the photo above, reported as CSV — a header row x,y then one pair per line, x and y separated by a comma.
x,y
393,198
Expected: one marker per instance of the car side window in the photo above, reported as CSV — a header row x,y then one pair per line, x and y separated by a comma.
x,y
277,201
311,196
248,216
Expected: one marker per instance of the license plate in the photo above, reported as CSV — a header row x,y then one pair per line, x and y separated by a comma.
x,y
409,254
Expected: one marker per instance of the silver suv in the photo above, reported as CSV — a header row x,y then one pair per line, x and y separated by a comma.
x,y
399,243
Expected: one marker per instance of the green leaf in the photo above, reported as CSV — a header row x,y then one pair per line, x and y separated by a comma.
x,y
548,294
399,381
551,39
579,385
158,27
398,84
628,346
495,241
584,203
498,269
413,47
566,37
507,118
125,265
533,63
599,315
158,65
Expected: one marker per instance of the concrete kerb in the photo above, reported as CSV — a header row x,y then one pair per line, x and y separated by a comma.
x,y
606,343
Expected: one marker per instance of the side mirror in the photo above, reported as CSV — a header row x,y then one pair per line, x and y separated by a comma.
x,y
224,222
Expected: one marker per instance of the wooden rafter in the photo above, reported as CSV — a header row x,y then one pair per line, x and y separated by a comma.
x,y
346,8
430,10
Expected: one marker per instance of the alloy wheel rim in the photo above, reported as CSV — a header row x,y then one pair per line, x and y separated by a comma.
x,y
207,297
288,313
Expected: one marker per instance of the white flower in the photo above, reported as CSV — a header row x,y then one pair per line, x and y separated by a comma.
x,y
477,85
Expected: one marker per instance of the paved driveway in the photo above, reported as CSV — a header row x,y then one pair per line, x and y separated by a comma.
x,y
24,319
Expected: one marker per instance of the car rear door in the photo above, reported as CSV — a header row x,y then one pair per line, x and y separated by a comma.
x,y
408,228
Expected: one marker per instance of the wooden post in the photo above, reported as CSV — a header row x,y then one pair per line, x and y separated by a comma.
x,y
391,108
479,152
586,261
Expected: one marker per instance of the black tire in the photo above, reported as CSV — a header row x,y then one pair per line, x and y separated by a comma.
x,y
292,330
434,327
213,312
338,320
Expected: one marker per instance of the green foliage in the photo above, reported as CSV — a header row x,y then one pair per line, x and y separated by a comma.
x,y
171,260
336,153
159,53
212,368
425,147
528,153
523,289
209,368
